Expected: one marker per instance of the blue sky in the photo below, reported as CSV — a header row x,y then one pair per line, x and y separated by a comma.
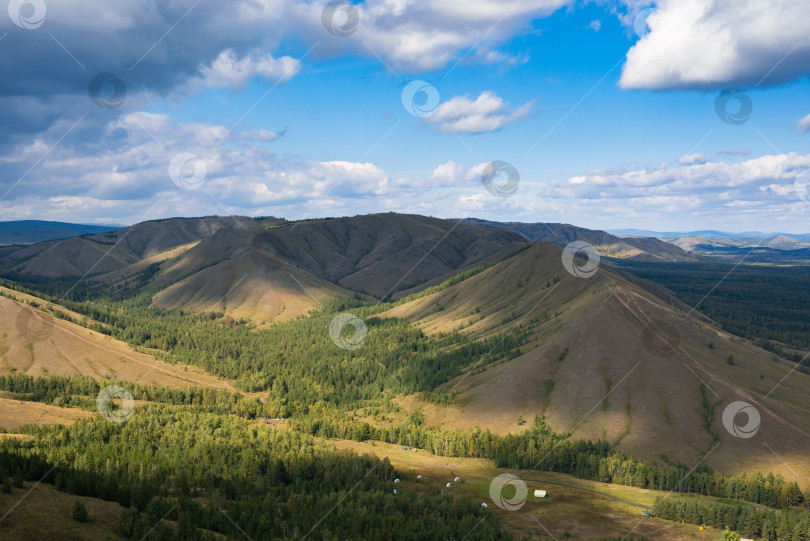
x,y
272,114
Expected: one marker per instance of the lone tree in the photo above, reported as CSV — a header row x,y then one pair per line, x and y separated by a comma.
x,y
79,512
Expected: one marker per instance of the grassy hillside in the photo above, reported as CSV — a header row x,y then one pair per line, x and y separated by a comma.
x,y
34,342
596,366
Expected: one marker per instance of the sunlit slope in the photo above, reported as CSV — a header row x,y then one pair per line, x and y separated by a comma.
x,y
230,272
34,343
594,367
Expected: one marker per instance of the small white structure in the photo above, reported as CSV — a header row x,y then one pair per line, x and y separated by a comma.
x,y
483,504
539,493
395,491
418,476
456,479
449,485
396,480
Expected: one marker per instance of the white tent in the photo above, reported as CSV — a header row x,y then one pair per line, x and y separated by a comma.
x,y
539,493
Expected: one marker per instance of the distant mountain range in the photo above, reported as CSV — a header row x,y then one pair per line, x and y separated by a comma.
x,y
708,233
608,245
22,232
632,244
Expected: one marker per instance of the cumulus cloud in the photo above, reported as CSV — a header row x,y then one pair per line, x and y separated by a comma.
x,y
692,159
715,44
124,176
425,36
487,113
803,125
752,184
235,73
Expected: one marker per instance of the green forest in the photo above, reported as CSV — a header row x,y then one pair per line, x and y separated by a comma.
x,y
758,302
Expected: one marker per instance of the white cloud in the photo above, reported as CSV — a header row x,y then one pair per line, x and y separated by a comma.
x,y
692,159
487,113
228,71
424,36
714,44
803,125
749,183
596,25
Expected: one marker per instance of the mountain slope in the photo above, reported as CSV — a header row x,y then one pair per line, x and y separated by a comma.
x,y
271,271
230,271
596,366
383,254
639,248
35,343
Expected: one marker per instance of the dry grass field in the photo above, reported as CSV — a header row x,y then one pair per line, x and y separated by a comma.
x,y
35,343
38,511
15,413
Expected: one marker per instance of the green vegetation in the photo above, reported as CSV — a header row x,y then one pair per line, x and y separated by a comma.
x,y
79,512
786,525
297,362
268,483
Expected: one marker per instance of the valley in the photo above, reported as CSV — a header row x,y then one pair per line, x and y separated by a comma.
x,y
464,351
